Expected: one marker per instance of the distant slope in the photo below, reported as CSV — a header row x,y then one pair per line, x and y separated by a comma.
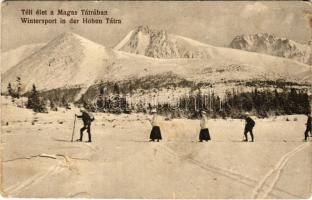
x,y
272,45
71,60
14,56
160,44
67,60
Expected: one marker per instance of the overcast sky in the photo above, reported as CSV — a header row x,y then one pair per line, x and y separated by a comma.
x,y
215,23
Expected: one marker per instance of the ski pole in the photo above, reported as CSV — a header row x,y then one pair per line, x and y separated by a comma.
x,y
72,139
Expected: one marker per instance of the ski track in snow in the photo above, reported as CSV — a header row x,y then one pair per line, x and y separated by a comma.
x,y
231,174
221,171
15,189
275,171
261,190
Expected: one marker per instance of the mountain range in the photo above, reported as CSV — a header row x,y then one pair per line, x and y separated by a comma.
x,y
70,60
272,45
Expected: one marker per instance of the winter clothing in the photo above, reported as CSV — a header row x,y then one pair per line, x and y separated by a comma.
x,y
86,118
155,120
309,128
204,131
246,136
204,135
155,133
204,122
88,128
250,123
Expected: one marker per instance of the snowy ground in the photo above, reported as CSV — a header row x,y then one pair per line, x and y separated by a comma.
x,y
40,161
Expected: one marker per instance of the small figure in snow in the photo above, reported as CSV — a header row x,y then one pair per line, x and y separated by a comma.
x,y
250,123
87,119
308,129
204,131
155,133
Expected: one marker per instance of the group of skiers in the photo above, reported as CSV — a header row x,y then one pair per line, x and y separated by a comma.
x,y
204,134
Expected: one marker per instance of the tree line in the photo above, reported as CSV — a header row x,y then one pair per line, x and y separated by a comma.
x,y
234,104
116,98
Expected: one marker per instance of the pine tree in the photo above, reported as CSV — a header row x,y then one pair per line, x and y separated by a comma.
x,y
10,90
102,88
116,89
18,87
53,106
35,102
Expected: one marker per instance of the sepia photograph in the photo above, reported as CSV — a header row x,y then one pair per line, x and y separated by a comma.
x,y
156,99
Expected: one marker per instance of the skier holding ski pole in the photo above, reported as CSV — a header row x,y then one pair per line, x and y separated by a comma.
x,y
87,119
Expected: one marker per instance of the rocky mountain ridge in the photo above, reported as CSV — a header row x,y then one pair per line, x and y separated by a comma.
x,y
272,45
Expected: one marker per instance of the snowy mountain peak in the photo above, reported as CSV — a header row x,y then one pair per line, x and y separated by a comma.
x,y
150,42
68,34
65,60
160,44
144,29
71,39
272,45
70,60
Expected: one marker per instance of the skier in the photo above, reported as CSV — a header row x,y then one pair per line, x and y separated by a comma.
x,y
204,131
308,129
250,123
155,133
87,119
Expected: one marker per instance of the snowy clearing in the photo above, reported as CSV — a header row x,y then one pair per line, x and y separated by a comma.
x,y
40,161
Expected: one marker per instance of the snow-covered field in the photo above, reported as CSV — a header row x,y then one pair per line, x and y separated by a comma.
x,y
38,159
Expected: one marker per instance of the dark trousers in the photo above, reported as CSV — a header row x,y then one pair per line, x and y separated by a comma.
x,y
306,133
88,128
251,134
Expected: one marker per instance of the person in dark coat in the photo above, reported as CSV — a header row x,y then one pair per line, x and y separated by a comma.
x,y
204,131
250,123
155,133
308,129
87,120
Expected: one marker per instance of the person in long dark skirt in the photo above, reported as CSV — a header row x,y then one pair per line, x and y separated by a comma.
x,y
155,133
309,127
204,131
250,123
